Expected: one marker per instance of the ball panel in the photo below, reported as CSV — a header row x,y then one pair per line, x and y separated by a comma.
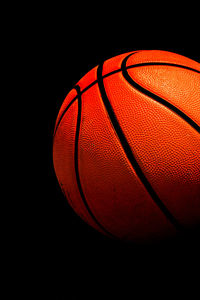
x,y
165,146
179,87
161,56
113,191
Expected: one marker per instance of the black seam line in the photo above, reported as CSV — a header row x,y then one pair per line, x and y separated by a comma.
x,y
119,70
129,154
140,65
162,64
156,97
77,167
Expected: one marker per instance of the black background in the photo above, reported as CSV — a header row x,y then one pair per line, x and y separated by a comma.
x,y
70,43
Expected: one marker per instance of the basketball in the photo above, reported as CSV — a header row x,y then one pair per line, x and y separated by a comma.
x,y
126,146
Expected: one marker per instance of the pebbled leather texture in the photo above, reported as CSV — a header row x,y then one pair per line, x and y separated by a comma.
x,y
162,142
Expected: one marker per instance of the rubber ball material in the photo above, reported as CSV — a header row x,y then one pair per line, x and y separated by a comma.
x,y
126,146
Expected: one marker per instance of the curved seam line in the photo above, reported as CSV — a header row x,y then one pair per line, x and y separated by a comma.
x,y
77,167
119,70
162,64
128,152
157,98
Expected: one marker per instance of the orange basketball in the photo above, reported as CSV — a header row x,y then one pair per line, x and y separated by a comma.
x,y
126,146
